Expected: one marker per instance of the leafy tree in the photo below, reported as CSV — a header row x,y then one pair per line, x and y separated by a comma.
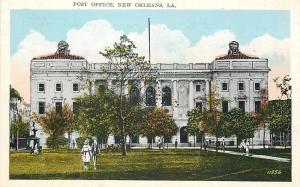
x,y
15,94
159,122
212,117
284,85
19,128
195,124
55,123
280,117
240,124
262,115
94,114
124,65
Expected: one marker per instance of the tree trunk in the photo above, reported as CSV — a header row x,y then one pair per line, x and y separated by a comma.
x,y
237,143
69,140
216,143
195,140
264,136
202,142
17,144
284,138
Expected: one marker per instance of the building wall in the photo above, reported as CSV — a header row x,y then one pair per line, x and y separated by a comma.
x,y
180,78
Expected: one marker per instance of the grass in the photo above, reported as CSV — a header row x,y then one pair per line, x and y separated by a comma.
x,y
147,165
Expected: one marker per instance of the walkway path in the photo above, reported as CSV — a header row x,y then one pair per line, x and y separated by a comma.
x,y
254,156
232,153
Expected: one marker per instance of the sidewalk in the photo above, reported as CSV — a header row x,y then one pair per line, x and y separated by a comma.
x,y
279,159
253,156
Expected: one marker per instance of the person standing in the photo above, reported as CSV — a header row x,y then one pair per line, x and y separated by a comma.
x,y
247,147
86,154
176,144
95,152
223,145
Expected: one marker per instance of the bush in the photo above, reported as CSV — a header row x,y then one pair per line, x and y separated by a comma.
x,y
60,142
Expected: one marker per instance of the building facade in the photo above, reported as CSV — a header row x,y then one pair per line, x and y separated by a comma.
x,y
179,87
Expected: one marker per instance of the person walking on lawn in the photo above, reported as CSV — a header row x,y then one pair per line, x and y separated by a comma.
x,y
86,154
95,152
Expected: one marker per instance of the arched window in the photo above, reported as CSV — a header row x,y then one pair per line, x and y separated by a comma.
x,y
134,95
166,96
150,96
183,135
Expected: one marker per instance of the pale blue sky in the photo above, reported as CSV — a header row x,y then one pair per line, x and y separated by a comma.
x,y
194,24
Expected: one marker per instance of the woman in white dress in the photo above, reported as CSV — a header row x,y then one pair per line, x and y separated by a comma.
x,y
86,154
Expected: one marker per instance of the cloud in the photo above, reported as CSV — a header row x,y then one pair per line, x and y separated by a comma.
x,y
34,44
167,46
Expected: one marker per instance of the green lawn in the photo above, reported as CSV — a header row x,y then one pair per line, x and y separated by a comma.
x,y
147,165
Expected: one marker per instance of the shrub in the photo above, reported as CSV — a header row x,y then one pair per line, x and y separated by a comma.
x,y
60,142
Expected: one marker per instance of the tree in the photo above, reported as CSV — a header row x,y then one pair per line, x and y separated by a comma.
x,y
15,94
195,124
94,114
280,117
284,85
19,128
212,117
125,65
55,123
262,115
159,122
240,124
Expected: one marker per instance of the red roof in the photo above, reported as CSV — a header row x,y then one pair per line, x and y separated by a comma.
x,y
236,55
59,56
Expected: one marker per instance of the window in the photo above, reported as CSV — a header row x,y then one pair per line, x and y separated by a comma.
x,y
134,95
150,96
257,86
58,106
41,87
75,107
75,87
224,86
257,106
225,106
199,105
242,106
198,88
41,107
241,86
134,138
166,96
58,87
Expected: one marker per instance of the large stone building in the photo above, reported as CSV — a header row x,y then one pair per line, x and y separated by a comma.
x,y
179,87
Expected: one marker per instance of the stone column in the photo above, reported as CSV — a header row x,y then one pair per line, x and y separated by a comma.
x,y
158,93
93,87
109,84
206,87
191,95
175,98
126,88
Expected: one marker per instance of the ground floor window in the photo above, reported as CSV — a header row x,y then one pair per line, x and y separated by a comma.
x,y
183,135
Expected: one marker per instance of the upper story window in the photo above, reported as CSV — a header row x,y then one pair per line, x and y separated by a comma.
x,y
150,96
198,88
41,87
257,86
58,87
134,95
166,96
75,87
41,107
224,86
241,86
